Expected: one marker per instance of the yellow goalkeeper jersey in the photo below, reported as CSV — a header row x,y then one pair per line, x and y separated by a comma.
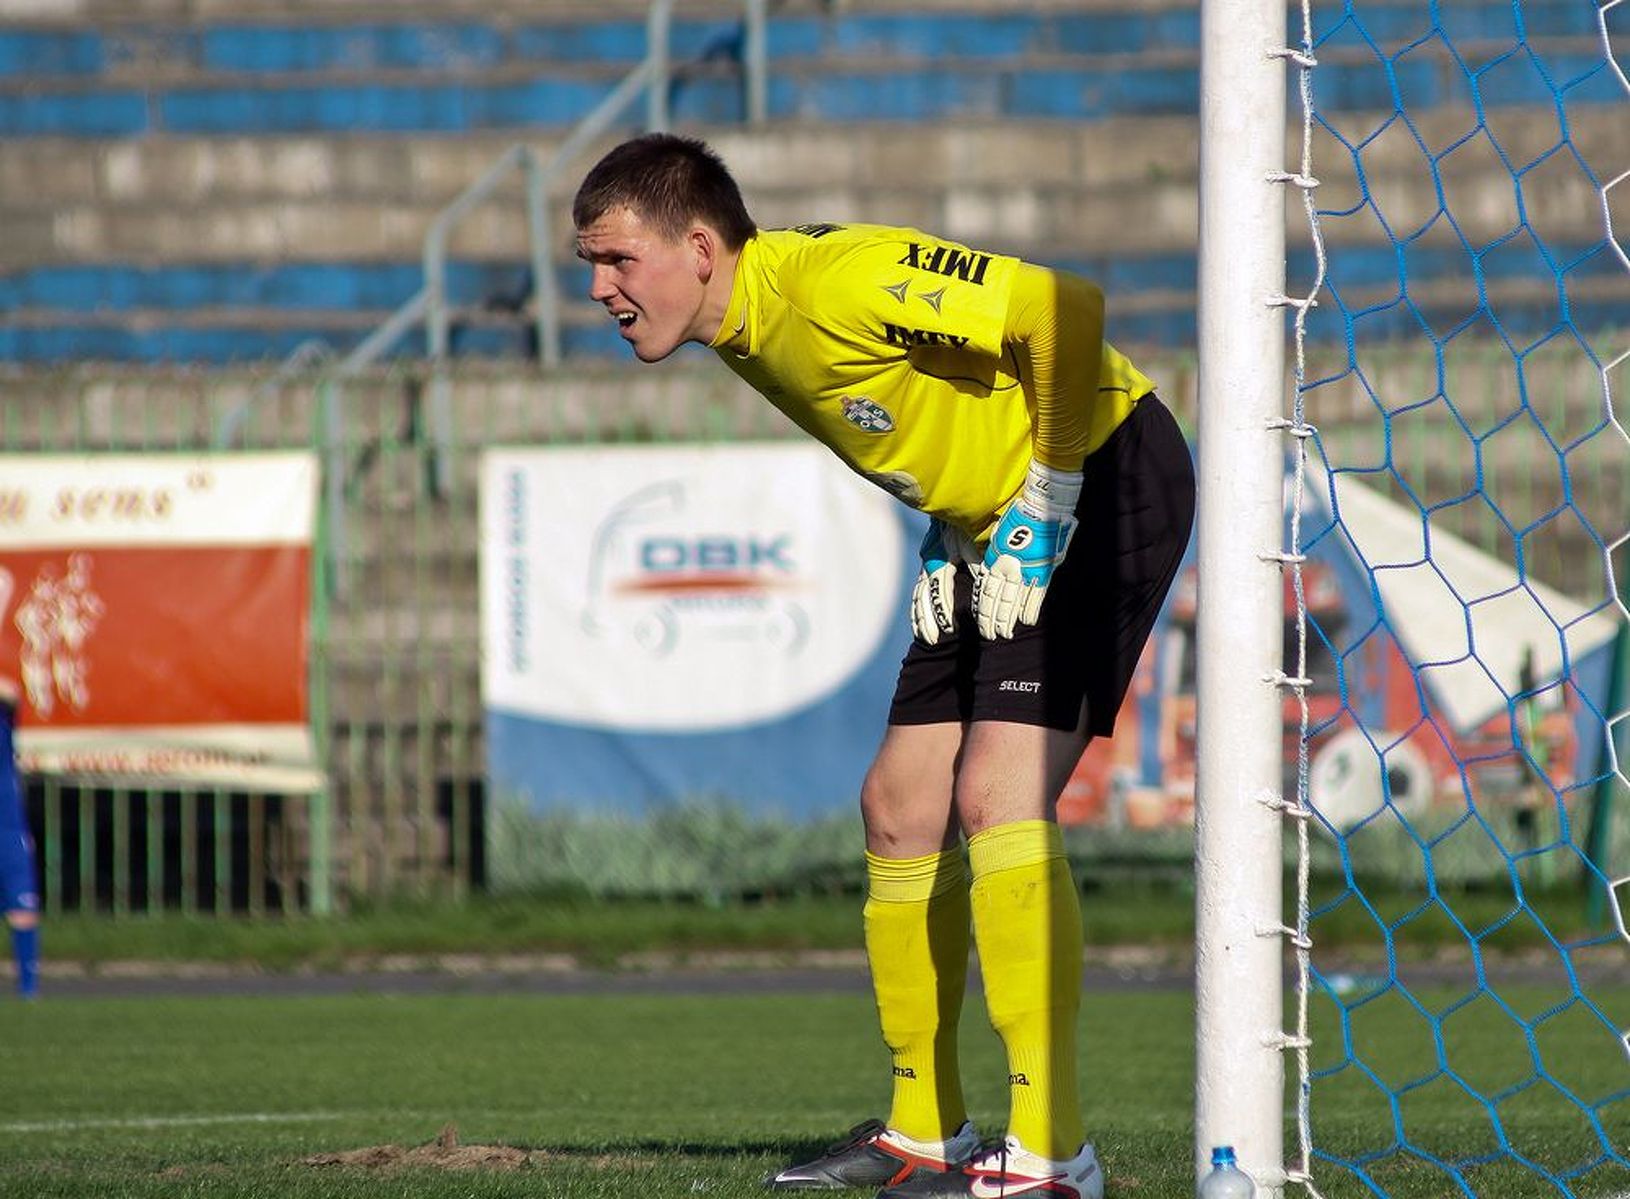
x,y
887,345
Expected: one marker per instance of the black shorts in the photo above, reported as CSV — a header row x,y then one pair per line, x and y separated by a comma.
x,y
1072,668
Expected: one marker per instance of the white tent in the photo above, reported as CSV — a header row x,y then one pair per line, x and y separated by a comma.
x,y
1464,618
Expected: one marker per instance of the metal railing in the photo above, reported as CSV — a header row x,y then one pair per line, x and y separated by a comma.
x,y
651,77
430,305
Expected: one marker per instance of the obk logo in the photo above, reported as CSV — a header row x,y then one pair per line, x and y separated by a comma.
x,y
655,577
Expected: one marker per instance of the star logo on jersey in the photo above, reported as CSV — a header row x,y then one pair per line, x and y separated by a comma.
x,y
898,290
933,298
866,415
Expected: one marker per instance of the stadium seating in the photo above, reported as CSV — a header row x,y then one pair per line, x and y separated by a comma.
x,y
185,188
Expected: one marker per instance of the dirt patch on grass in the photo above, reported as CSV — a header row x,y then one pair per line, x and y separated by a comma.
x,y
443,1153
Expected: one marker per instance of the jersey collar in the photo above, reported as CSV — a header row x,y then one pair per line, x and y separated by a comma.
x,y
737,332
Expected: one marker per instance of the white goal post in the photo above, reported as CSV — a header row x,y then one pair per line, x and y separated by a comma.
x,y
1239,1082
1458,164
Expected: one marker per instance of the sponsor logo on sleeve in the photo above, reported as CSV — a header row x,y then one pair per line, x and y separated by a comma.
x,y
953,262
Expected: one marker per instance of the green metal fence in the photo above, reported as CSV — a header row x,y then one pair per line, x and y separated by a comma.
x,y
395,654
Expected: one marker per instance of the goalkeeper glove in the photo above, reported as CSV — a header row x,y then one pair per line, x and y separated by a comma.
x,y
933,597
1027,546
934,593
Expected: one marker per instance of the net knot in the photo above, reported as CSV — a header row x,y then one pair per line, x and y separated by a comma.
x,y
1305,182
1295,429
1302,58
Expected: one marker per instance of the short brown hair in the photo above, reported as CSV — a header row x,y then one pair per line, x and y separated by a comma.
x,y
670,182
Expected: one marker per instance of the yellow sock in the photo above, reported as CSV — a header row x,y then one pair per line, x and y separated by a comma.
x,y
917,943
1027,922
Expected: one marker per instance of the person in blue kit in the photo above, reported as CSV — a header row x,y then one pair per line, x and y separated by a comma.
x,y
19,886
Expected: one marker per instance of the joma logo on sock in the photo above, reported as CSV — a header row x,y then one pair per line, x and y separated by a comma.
x,y
904,1072
1017,1080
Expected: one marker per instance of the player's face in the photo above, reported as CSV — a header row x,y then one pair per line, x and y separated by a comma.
x,y
653,288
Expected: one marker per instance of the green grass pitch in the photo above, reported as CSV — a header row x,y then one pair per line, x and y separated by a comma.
x,y
614,1096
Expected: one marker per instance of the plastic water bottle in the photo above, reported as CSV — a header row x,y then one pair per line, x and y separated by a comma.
x,y
1226,1180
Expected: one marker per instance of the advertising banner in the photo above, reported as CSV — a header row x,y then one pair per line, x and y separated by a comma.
x,y
154,615
662,624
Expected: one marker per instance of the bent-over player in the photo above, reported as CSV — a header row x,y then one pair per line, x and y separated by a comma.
x,y
978,389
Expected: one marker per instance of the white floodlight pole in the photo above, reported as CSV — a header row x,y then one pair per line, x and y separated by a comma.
x,y
1239,1084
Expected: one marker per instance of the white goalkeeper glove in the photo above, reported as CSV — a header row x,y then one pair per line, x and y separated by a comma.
x,y
1027,546
933,596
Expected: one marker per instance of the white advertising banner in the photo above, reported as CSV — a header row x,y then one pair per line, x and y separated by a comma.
x,y
643,608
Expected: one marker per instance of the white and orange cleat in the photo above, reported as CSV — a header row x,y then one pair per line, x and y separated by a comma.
x,y
1006,1170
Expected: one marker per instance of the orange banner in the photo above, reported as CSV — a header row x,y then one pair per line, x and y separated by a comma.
x,y
154,615
150,636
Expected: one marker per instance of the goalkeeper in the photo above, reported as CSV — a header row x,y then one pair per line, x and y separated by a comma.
x,y
978,389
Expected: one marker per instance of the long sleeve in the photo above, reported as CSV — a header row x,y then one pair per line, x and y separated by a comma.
x,y
1055,324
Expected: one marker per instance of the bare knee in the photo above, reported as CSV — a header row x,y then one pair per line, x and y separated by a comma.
x,y
900,821
905,801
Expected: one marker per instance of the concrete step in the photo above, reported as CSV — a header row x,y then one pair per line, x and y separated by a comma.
x,y
401,176
361,199
1126,185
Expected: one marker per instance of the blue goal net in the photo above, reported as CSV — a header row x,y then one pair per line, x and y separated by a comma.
x,y
1459,515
